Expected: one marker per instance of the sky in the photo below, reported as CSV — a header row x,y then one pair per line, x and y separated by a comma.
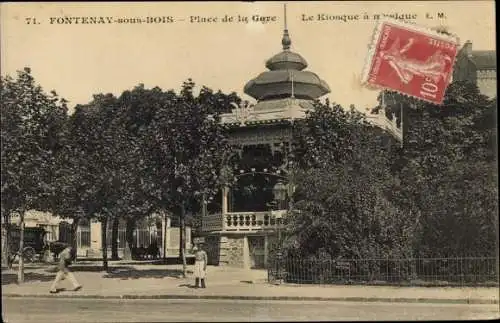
x,y
79,60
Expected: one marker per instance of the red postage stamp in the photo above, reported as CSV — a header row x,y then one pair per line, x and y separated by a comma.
x,y
411,60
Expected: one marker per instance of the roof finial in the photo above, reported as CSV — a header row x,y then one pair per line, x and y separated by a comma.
x,y
285,41
284,9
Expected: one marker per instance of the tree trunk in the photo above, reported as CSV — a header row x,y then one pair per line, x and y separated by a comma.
x,y
104,227
164,237
5,259
6,241
114,240
129,232
74,235
20,273
182,240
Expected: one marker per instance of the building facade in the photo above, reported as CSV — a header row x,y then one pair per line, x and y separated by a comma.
x,y
154,229
478,67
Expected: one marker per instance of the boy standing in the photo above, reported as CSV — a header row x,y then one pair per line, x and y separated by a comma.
x,y
200,266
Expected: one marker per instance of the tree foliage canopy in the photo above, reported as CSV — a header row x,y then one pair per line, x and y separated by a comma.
x,y
448,171
32,134
343,189
435,197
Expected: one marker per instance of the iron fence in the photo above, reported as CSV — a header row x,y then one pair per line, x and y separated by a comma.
x,y
142,238
463,271
83,237
121,238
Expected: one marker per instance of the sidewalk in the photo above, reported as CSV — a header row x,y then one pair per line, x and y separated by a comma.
x,y
163,281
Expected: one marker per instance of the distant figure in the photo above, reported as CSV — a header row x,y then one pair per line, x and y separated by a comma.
x,y
153,250
200,265
141,251
65,258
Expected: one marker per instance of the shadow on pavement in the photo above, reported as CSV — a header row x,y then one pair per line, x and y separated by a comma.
x,y
160,261
93,269
167,261
188,285
26,267
11,278
133,273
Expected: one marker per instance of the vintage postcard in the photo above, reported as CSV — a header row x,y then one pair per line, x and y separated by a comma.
x,y
249,161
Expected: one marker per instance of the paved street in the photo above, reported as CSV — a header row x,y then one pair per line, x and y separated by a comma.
x,y
18,310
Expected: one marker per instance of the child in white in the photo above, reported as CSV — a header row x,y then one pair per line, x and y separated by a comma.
x,y
200,266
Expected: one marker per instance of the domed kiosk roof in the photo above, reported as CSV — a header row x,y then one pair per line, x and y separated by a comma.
x,y
285,92
286,77
286,59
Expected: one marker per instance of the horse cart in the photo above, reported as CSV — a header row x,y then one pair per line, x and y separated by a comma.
x,y
35,244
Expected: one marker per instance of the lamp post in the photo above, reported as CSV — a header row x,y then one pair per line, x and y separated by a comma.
x,y
280,191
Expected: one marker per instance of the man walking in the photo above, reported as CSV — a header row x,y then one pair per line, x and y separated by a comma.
x,y
200,266
65,258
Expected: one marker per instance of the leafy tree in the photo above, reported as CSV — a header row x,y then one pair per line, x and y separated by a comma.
x,y
448,171
439,190
164,151
88,177
138,196
74,179
33,124
326,135
343,189
116,161
186,144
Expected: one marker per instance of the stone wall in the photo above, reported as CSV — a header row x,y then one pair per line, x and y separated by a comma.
x,y
231,251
